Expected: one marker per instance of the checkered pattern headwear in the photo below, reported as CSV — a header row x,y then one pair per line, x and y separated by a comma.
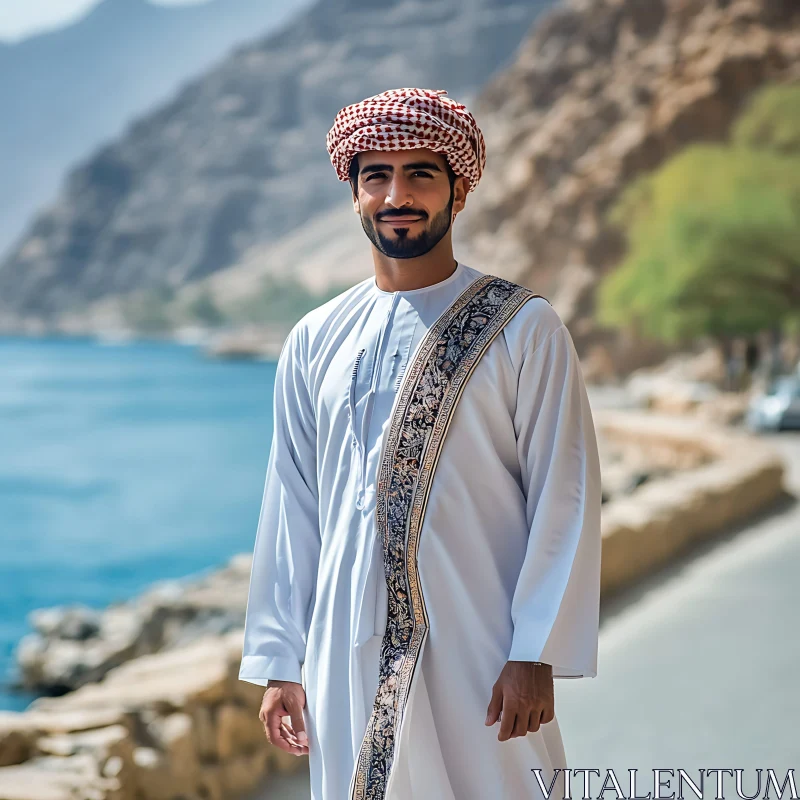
x,y
405,119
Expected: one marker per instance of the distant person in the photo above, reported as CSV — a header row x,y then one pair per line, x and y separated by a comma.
x,y
428,549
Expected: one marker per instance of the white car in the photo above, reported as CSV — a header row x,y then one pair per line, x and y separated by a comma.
x,y
778,407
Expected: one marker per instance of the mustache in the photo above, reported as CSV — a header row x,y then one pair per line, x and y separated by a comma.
x,y
410,212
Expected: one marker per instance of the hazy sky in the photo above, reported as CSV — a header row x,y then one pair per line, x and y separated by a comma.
x,y
21,18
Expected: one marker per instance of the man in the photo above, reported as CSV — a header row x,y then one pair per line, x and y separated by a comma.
x,y
427,558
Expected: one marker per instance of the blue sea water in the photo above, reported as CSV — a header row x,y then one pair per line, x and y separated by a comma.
x,y
120,466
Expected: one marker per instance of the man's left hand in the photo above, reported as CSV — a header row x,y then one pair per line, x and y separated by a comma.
x,y
524,695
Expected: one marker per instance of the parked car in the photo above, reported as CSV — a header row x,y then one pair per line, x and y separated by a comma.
x,y
778,407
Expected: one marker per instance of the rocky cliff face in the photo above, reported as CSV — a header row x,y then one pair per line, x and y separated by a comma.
x,y
238,157
65,91
602,91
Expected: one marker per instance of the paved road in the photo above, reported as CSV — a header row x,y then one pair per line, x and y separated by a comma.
x,y
286,788
699,668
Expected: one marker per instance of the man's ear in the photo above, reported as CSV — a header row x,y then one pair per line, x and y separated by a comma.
x,y
356,204
460,190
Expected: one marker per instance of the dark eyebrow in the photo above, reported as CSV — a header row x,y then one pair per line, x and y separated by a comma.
x,y
423,165
389,168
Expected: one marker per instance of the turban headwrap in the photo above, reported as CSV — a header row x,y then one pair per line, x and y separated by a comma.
x,y
405,119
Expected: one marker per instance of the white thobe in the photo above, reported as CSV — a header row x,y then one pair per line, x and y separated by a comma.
x,y
509,553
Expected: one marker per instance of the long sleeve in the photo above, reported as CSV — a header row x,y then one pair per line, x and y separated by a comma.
x,y
556,602
287,545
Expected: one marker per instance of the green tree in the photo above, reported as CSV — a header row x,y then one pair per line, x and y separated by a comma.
x,y
771,120
713,246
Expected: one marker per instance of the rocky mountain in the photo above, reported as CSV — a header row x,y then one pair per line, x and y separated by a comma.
x,y
65,91
237,158
603,91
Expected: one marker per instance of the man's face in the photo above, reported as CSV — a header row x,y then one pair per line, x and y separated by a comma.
x,y
405,200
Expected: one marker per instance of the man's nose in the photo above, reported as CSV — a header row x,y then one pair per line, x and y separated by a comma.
x,y
399,192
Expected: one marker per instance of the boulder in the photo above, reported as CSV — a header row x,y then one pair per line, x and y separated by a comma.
x,y
239,730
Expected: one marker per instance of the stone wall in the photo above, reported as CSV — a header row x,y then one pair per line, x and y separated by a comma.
x,y
738,475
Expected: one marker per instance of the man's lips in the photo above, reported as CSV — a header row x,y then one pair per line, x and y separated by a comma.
x,y
400,220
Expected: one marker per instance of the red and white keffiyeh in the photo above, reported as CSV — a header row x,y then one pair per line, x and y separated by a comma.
x,y
405,119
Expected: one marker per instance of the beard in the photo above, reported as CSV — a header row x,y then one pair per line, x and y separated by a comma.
x,y
405,245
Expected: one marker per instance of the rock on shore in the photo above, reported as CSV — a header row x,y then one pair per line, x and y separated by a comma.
x,y
177,725
75,645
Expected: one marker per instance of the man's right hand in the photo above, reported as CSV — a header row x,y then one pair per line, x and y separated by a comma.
x,y
285,699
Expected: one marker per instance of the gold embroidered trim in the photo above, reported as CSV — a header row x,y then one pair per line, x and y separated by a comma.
x,y
431,389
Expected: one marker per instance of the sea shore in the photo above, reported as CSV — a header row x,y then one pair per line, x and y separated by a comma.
x,y
159,711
